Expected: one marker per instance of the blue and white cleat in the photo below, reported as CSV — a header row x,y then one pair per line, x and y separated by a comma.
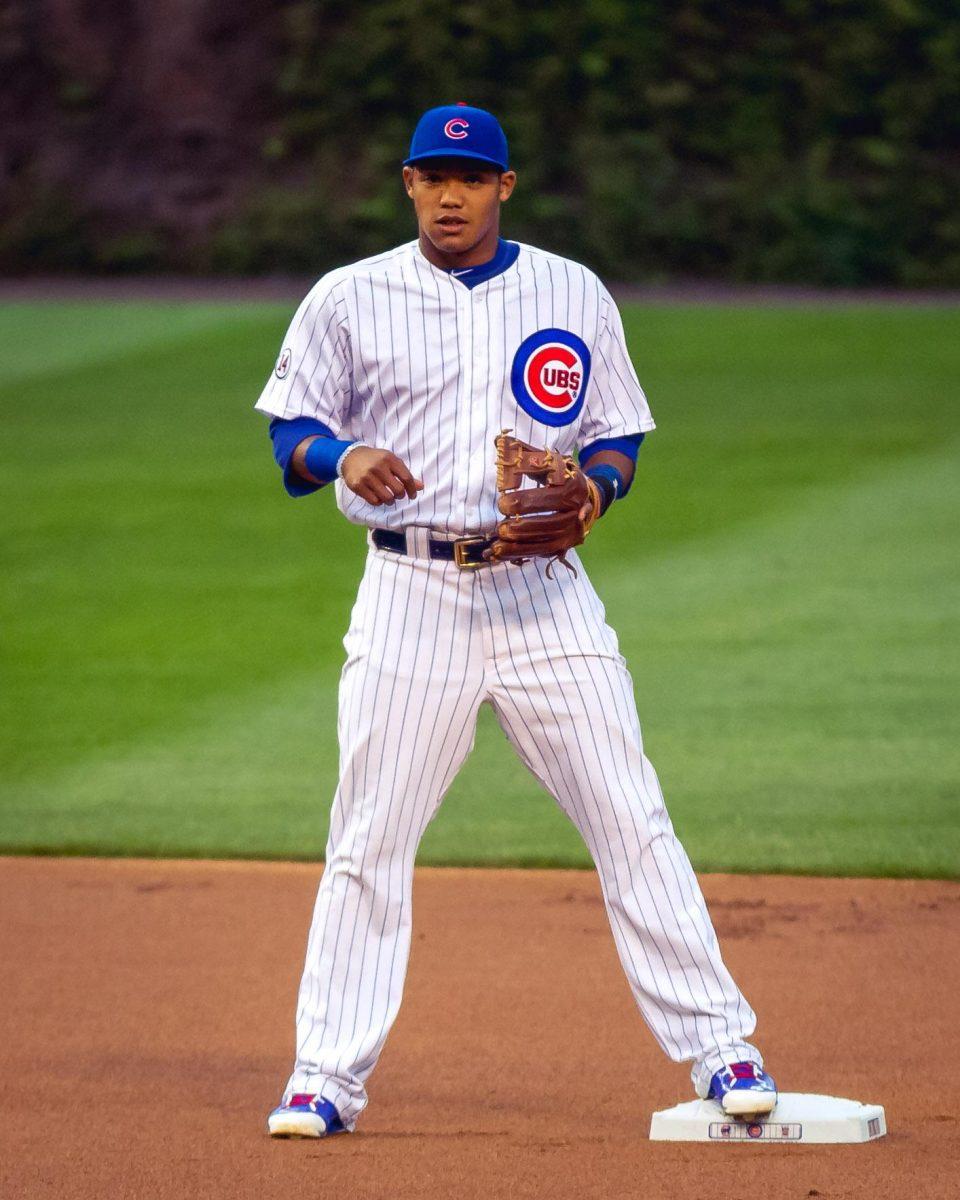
x,y
743,1090
305,1116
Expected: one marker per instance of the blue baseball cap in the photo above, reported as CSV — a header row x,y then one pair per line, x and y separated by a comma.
x,y
458,131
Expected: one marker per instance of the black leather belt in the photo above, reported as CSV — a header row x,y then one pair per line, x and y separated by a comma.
x,y
466,552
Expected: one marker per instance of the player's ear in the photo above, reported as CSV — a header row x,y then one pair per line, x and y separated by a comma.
x,y
507,181
408,180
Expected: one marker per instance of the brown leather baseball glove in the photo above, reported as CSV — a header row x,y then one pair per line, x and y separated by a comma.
x,y
543,521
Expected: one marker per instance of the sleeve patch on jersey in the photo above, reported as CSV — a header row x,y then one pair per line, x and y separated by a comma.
x,y
549,376
283,363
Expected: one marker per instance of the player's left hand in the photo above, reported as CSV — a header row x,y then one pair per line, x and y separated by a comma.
x,y
543,521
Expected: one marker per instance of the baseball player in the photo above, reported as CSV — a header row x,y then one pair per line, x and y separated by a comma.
x,y
445,388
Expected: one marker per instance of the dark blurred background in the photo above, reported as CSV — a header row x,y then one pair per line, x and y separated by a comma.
x,y
793,141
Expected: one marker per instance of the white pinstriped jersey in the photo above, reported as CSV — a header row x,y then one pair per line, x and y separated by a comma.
x,y
397,353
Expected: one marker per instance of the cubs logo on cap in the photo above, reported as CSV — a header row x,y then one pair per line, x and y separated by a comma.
x,y
458,131
456,128
549,376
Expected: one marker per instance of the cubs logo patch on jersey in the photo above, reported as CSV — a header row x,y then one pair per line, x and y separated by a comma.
x,y
549,376
282,368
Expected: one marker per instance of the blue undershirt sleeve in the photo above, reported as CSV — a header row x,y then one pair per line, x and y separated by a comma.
x,y
286,437
628,446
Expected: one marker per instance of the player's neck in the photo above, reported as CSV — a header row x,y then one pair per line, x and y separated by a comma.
x,y
477,256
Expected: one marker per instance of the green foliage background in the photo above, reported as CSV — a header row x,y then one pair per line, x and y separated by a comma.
x,y
798,140
793,140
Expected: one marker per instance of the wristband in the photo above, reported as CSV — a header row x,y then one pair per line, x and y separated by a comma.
x,y
351,446
609,483
323,457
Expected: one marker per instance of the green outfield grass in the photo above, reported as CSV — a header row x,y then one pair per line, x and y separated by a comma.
x,y
784,579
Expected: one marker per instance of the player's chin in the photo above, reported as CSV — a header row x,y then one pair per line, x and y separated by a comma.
x,y
452,237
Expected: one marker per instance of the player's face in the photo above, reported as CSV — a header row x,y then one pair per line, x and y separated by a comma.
x,y
457,203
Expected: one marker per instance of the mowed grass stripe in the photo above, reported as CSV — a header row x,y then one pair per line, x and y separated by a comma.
x,y
802,768
173,623
40,340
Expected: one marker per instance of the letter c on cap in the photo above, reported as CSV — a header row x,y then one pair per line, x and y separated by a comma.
x,y
456,128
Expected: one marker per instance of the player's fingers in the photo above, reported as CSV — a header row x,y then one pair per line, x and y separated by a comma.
x,y
386,477
402,472
365,494
412,486
373,491
383,494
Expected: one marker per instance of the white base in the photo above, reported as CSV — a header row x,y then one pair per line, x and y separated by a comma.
x,y
797,1117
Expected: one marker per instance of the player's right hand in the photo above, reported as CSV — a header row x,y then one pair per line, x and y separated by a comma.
x,y
378,476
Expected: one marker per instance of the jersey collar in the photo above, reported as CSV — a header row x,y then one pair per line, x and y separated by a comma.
x,y
506,255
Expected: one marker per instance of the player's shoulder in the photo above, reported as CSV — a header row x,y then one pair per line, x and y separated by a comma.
x,y
557,267
330,287
539,265
380,264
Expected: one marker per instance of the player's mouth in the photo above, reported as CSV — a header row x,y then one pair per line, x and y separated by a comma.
x,y
452,224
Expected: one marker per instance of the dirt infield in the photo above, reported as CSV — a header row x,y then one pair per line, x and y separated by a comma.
x,y
146,1018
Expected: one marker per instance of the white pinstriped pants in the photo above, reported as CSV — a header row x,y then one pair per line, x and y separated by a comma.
x,y
427,645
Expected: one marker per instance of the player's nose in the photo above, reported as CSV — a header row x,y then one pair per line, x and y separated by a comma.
x,y
451,197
